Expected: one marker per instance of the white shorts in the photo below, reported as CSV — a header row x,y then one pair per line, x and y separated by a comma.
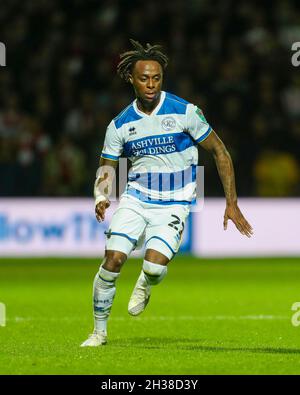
x,y
134,223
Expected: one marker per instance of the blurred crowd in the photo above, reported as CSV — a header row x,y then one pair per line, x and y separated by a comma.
x,y
59,89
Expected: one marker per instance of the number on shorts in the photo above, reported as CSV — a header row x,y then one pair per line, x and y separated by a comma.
x,y
174,224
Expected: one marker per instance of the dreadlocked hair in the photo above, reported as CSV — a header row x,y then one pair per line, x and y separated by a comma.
x,y
129,58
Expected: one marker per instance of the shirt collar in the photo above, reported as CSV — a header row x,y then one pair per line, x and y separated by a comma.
x,y
156,109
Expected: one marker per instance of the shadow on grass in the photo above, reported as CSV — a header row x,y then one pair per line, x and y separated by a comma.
x,y
195,345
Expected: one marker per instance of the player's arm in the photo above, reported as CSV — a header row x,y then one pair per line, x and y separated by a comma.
x,y
103,186
216,147
109,159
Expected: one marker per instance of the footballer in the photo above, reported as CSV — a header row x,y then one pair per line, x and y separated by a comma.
x,y
159,133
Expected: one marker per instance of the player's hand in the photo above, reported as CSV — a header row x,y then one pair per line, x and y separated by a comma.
x,y
233,213
100,210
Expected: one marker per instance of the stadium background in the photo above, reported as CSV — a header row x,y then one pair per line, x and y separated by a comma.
x,y
58,92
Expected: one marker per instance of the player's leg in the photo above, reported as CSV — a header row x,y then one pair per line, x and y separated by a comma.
x,y
153,271
104,290
163,235
125,229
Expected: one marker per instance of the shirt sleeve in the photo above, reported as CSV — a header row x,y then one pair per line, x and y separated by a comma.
x,y
113,146
197,125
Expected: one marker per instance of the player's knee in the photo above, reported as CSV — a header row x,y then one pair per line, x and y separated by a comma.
x,y
154,272
114,261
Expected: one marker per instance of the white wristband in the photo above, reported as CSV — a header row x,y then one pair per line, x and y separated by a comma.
x,y
100,198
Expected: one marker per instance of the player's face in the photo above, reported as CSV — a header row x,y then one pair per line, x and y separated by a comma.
x,y
146,78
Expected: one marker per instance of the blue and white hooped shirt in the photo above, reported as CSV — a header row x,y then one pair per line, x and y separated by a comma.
x,y
162,148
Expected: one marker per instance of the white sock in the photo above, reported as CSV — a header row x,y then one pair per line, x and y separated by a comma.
x,y
103,296
153,272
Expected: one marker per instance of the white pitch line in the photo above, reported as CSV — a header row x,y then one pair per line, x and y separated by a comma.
x,y
209,318
260,317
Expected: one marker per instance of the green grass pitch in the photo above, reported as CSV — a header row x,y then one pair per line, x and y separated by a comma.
x,y
230,316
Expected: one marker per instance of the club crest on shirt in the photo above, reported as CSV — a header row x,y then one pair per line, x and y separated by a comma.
x,y
168,123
